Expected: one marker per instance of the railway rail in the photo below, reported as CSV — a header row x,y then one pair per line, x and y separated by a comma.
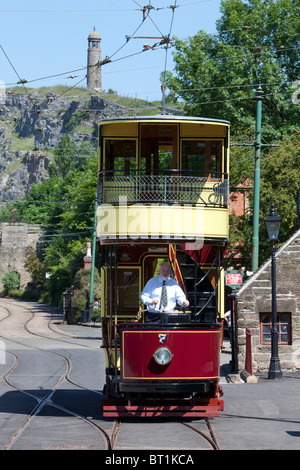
x,y
46,399
203,428
108,432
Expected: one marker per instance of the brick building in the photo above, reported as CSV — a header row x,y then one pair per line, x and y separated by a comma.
x,y
253,310
239,199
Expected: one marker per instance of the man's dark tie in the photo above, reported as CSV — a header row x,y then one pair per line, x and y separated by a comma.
x,y
164,296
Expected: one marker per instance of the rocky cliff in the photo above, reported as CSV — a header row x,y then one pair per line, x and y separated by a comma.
x,y
32,124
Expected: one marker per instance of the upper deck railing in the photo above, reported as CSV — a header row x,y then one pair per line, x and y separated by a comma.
x,y
163,187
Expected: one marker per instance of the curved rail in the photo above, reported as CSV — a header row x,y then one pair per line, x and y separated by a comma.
x,y
46,400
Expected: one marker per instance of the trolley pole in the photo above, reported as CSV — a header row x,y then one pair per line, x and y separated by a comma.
x,y
255,235
93,260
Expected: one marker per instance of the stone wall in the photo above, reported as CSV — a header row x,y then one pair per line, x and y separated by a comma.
x,y
254,298
15,237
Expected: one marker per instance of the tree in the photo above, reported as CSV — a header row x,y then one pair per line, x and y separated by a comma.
x,y
67,156
11,280
256,44
64,205
280,177
80,300
35,267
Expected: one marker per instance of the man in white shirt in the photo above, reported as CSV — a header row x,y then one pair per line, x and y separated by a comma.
x,y
161,293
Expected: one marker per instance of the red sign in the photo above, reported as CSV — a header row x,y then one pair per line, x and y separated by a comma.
x,y
233,279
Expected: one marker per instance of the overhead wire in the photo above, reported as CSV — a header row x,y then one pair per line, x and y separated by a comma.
x,y
21,81
148,9
163,86
280,49
81,10
146,14
108,59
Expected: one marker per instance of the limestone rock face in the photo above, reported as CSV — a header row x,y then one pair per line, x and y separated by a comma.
x,y
31,126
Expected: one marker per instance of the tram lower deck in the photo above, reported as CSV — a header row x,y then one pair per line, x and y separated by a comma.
x,y
170,366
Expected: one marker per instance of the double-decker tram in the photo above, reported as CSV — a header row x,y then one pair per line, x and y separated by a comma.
x,y
163,193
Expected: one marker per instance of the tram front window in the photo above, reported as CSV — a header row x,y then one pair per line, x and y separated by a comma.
x,y
120,156
158,147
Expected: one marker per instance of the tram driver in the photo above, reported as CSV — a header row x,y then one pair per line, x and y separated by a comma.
x,y
161,293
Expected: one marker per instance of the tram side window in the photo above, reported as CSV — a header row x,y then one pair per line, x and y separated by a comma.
x,y
202,157
128,291
120,156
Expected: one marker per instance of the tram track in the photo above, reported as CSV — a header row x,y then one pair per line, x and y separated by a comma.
x,y
110,438
208,435
46,400
211,439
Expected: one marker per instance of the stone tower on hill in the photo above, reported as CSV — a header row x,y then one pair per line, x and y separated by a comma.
x,y
94,80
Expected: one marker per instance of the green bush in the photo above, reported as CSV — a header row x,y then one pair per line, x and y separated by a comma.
x,y
11,280
80,301
81,295
26,294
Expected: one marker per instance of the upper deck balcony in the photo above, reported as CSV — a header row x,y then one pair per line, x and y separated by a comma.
x,y
163,187
163,179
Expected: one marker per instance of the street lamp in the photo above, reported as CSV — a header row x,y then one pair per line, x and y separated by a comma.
x,y
273,225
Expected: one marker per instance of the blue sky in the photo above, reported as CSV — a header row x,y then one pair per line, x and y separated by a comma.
x,y
47,38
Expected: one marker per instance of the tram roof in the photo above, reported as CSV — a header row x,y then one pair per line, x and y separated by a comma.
x,y
164,117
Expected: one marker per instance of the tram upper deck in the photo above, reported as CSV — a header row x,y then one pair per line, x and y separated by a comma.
x,y
163,178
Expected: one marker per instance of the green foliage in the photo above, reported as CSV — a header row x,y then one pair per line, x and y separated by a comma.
x,y
279,183
26,294
67,157
280,177
81,296
217,75
79,302
78,117
35,267
11,280
64,206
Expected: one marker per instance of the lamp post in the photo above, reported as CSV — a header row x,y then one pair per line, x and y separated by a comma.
x,y
273,225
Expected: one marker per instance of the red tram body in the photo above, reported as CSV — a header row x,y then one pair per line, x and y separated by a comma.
x,y
162,195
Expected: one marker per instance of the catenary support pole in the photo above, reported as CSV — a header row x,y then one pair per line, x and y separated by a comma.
x,y
255,235
93,260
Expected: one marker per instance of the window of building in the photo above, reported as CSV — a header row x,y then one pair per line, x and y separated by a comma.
x,y
284,328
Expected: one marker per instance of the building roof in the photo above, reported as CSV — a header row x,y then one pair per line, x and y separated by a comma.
x,y
94,34
163,117
267,263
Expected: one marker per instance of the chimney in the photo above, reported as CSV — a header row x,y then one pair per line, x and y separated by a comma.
x,y
87,260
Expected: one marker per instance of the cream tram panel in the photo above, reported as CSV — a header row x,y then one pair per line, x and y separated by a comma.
x,y
139,222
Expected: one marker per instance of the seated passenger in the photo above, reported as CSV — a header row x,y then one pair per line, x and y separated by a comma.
x,y
161,293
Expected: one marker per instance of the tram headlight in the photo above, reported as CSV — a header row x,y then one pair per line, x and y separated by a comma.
x,y
163,356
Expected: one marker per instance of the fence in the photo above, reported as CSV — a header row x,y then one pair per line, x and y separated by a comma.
x,y
168,188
